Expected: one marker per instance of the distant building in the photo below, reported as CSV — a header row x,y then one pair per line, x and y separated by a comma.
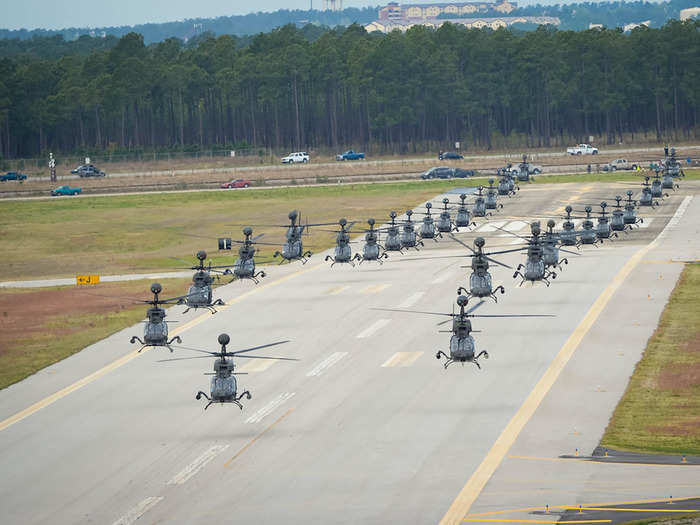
x,y
595,26
395,12
691,12
387,26
332,5
630,27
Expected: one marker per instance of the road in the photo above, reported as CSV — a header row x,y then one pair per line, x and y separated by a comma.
x,y
367,427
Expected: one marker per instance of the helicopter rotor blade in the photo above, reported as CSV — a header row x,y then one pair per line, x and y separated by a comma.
x,y
512,315
498,262
510,232
182,358
267,357
257,347
412,311
477,305
462,243
568,251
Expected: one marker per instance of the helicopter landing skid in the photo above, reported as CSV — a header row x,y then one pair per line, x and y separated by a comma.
x,y
329,258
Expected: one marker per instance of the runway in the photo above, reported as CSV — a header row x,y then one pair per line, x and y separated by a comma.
x,y
367,427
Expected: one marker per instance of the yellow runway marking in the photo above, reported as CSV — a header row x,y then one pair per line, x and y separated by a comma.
x,y
248,445
375,288
49,400
337,290
402,359
537,521
536,458
475,484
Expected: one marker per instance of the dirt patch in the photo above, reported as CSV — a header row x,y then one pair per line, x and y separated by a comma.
x,y
680,377
689,428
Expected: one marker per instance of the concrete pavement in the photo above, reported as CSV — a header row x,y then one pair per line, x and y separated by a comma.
x,y
367,427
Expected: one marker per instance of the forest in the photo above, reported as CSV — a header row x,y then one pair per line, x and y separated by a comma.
x,y
399,92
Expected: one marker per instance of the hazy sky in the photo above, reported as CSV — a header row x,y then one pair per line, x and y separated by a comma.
x,y
57,14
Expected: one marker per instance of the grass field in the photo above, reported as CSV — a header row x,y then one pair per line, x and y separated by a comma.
x,y
660,410
689,519
39,327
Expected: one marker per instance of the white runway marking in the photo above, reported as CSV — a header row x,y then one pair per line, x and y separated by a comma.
x,y
490,226
371,329
326,364
267,409
197,465
646,222
139,510
411,300
375,288
516,226
402,359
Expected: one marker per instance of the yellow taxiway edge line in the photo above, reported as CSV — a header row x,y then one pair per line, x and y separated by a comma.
x,y
49,400
250,443
582,508
536,521
466,497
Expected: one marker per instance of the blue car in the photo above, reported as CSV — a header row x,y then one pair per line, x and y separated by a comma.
x,y
350,155
13,175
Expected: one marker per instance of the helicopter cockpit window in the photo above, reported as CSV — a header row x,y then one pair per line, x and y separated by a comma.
x,y
480,282
155,331
462,347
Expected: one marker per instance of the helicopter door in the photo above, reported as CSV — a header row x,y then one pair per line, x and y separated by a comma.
x,y
223,387
480,284
155,332
370,251
462,348
534,269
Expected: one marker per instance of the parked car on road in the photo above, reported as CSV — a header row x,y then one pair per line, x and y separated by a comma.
x,y
461,173
442,172
582,149
88,170
294,158
350,155
619,164
66,190
449,155
13,175
237,183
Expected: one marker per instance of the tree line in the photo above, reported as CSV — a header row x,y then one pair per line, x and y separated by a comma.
x,y
400,92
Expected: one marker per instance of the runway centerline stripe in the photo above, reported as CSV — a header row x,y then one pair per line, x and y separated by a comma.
x,y
374,327
197,465
270,407
475,484
139,510
250,443
49,400
402,359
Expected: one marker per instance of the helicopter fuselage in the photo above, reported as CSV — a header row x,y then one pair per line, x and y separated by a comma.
x,y
479,207
491,201
408,236
427,228
588,233
463,216
155,333
393,239
444,222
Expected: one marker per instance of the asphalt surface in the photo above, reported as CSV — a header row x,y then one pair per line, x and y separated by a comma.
x,y
367,427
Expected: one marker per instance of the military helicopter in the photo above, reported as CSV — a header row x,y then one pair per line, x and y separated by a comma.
x,y
617,223
199,294
587,235
479,209
551,249
155,333
603,228
568,236
427,227
630,215
463,218
646,198
408,233
506,184
392,243
491,201
480,281
372,250
462,345
293,249
244,266
223,385
444,222
674,167
667,181
534,267
657,190
524,171
343,251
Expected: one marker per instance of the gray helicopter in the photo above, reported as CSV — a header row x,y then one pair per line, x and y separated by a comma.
x,y
630,215
155,331
587,234
617,222
463,218
462,344
392,243
657,190
479,209
491,201
647,197
200,293
427,227
444,222
534,268
293,248
409,239
372,250
343,251
506,182
524,172
551,248
244,266
568,236
480,281
603,229
224,388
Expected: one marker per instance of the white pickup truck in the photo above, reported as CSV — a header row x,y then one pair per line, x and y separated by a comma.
x,y
619,164
582,149
293,158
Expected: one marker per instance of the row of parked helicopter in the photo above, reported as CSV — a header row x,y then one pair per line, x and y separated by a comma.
x,y
542,251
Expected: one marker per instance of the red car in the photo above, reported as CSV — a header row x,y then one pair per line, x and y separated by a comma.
x,y
238,183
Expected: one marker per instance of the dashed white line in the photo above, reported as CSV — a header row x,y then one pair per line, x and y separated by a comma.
x,y
272,405
139,510
326,364
411,300
197,465
371,329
